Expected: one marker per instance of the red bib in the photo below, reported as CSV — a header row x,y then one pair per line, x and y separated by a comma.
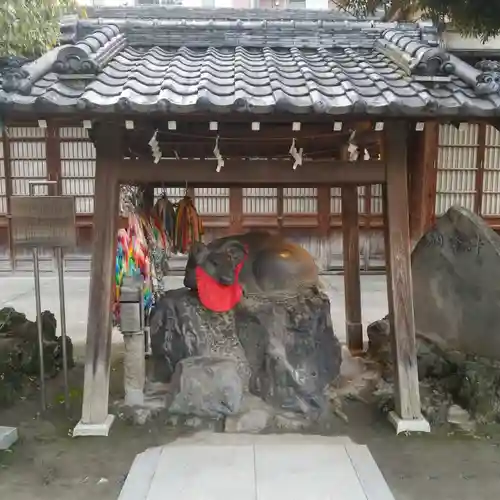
x,y
217,297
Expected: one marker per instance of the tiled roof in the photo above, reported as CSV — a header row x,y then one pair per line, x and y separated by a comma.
x,y
186,14
226,65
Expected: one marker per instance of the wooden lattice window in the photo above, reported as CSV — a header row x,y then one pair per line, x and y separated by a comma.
x,y
78,159
27,151
302,200
212,201
262,201
457,166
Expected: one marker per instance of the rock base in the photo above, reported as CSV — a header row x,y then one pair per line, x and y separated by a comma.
x,y
456,389
282,348
19,352
152,407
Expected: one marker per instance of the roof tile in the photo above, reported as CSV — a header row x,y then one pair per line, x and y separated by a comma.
x,y
388,73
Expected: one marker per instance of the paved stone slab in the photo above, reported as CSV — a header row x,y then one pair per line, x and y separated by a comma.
x,y
297,472
217,439
8,436
204,472
248,467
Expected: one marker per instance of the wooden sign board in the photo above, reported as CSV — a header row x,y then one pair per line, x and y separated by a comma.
x,y
43,221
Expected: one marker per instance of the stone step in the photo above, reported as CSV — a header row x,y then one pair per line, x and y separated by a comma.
x,y
244,467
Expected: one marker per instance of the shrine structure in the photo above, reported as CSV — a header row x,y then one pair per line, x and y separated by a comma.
x,y
247,99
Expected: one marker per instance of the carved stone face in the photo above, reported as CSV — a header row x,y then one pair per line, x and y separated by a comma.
x,y
220,263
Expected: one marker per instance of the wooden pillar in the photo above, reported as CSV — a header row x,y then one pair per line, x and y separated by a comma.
x,y
53,155
324,211
95,418
236,210
279,207
422,172
481,153
399,282
352,286
323,231
367,226
149,197
53,158
8,195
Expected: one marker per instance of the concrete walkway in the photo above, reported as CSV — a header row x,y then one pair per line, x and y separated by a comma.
x,y
19,292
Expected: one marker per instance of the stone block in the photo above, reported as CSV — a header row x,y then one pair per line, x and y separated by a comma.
x,y
8,436
206,387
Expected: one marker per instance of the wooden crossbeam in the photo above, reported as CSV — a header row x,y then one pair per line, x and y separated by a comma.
x,y
252,172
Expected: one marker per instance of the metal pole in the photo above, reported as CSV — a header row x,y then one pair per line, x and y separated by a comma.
x,y
38,302
62,304
36,266
62,308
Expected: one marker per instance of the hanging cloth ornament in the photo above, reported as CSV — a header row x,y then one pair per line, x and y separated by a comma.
x,y
165,211
121,268
188,226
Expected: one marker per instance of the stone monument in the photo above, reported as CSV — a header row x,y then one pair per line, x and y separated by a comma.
x,y
456,283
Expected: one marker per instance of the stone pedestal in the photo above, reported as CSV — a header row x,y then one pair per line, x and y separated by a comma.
x,y
134,369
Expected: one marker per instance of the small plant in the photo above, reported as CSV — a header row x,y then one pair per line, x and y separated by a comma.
x,y
480,18
31,27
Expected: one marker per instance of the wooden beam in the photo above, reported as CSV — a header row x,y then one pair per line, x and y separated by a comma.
x,y
416,159
352,286
53,158
279,206
422,172
367,202
432,171
95,419
149,197
429,182
251,172
399,282
324,212
53,155
8,195
481,153
236,210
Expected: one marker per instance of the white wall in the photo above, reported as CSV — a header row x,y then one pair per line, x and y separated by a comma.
x,y
208,3
317,4
310,4
455,41
107,3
